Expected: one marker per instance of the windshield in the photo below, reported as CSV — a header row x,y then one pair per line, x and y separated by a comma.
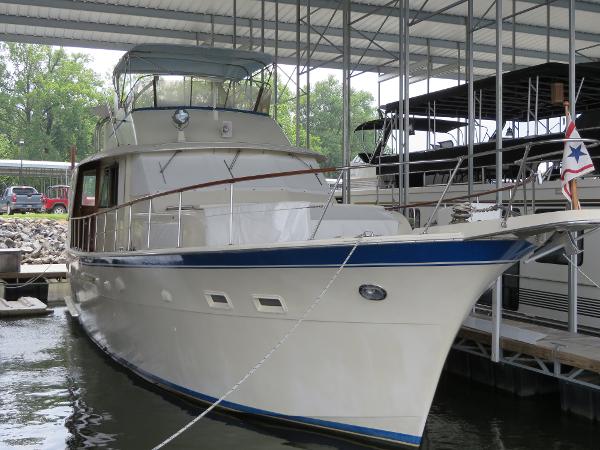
x,y
24,191
158,91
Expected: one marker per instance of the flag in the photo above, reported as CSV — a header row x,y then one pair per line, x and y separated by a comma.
x,y
576,160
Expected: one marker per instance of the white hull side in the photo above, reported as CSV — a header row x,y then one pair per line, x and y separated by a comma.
x,y
353,362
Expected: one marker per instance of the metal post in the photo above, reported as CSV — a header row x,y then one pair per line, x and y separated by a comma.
x,y
149,223
234,23
400,99
471,100
346,100
428,139
572,276
231,214
514,35
406,156
308,74
497,295
116,229
179,221
89,235
548,49
275,78
129,230
21,144
262,25
104,232
298,17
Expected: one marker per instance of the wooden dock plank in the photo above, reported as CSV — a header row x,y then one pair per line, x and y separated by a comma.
x,y
569,349
32,270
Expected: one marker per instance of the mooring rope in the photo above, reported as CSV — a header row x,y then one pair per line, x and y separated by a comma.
x,y
267,355
28,282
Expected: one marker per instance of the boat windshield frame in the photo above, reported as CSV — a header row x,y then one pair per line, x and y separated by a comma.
x,y
143,91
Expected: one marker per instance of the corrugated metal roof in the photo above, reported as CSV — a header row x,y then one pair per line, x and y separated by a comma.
x,y
120,24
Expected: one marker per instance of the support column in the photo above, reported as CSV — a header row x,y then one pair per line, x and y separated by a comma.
x,y
471,105
346,99
400,126
308,74
572,284
406,148
497,297
275,77
234,23
297,73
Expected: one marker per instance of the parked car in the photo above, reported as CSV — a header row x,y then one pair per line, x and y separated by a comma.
x,y
21,199
56,199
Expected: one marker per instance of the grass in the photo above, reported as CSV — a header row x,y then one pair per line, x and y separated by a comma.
x,y
35,216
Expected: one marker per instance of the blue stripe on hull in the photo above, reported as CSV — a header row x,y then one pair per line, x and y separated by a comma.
x,y
335,426
366,255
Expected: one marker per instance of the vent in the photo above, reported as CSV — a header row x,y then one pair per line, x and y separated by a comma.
x,y
270,304
218,300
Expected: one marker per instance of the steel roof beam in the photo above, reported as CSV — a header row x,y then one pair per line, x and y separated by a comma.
x,y
316,61
137,11
192,37
458,20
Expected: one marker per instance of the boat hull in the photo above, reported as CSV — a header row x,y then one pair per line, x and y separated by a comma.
x,y
368,368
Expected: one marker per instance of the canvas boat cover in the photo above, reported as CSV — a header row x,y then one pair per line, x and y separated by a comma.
x,y
171,59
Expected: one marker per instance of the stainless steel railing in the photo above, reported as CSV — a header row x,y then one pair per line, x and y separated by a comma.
x,y
85,232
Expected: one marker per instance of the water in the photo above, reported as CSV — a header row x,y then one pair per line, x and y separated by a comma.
x,y
58,391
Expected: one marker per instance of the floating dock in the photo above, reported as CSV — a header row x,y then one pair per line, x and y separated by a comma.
x,y
534,360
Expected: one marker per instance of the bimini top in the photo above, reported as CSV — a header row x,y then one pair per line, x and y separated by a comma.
x,y
170,59
452,102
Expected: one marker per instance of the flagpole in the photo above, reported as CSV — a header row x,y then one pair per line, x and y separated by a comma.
x,y
573,183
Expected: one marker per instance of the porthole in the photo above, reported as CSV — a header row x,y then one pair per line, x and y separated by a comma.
x,y
270,304
218,300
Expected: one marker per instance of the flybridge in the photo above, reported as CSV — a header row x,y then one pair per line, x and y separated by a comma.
x,y
152,76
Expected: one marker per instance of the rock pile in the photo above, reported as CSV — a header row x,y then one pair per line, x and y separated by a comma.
x,y
42,241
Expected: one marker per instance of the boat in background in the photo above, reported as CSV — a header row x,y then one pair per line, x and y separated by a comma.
x,y
538,290
199,239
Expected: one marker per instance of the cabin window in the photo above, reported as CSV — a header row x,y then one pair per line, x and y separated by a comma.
x,y
109,186
88,188
558,257
219,300
269,304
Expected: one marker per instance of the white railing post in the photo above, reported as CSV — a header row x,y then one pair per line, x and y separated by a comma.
x,y
104,232
129,230
179,222
89,235
231,214
149,223
116,230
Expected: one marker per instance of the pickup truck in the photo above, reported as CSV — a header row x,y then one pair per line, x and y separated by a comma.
x,y
20,199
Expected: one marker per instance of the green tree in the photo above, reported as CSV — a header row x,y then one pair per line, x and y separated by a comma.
x,y
326,112
46,99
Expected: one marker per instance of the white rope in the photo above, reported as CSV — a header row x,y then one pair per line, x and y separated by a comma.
x,y
31,280
267,355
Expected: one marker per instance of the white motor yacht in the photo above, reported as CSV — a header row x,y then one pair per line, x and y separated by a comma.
x,y
199,237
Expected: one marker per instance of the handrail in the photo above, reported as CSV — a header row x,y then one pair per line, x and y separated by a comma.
x,y
269,175
439,202
80,228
